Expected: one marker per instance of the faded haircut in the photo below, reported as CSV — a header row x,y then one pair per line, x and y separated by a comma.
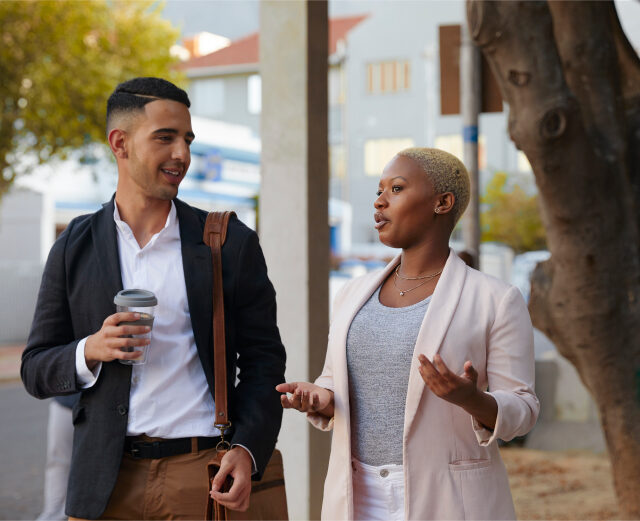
x,y
132,95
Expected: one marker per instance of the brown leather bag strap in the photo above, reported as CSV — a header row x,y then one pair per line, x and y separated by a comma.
x,y
215,233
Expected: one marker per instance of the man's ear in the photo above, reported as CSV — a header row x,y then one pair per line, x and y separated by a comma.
x,y
118,143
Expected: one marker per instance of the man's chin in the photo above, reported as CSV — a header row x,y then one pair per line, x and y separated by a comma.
x,y
167,194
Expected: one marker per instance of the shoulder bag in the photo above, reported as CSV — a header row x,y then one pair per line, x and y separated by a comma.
x,y
268,498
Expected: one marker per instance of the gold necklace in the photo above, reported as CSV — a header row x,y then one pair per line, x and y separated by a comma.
x,y
402,292
432,275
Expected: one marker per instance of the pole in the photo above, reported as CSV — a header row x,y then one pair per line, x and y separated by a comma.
x,y
470,99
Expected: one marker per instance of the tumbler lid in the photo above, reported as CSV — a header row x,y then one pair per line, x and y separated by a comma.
x,y
135,298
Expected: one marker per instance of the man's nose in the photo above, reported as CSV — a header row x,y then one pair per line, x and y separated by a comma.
x,y
181,151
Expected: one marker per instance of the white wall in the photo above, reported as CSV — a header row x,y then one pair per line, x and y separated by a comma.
x,y
26,235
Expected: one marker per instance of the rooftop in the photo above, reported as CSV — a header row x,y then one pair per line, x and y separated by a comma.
x,y
247,50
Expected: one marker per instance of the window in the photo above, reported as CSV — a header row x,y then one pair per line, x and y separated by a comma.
x,y
388,77
208,97
454,145
378,152
338,161
336,86
254,94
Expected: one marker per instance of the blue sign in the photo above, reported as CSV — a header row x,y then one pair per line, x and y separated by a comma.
x,y
213,165
470,133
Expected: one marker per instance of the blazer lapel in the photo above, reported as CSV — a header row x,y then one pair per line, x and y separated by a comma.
x,y
196,262
360,297
434,327
342,322
105,242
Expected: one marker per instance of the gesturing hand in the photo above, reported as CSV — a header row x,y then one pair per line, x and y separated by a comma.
x,y
106,345
236,463
306,397
459,390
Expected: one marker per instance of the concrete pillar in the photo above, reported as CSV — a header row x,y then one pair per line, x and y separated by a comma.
x,y
294,225
470,102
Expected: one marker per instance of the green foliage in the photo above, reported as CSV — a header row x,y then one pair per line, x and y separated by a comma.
x,y
511,216
60,60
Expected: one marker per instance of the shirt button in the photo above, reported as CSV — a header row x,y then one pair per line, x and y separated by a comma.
x,y
384,473
122,410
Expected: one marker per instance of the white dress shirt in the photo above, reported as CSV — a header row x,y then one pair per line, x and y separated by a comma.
x,y
170,397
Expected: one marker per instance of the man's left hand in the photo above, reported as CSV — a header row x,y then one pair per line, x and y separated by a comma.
x,y
238,464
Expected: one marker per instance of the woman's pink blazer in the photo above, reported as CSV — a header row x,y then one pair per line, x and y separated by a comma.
x,y
452,466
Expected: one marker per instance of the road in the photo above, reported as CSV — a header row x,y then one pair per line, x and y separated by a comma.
x,y
22,453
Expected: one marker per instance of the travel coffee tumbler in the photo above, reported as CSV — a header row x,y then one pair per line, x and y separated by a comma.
x,y
137,301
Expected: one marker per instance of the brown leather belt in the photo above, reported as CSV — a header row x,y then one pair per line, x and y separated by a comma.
x,y
140,448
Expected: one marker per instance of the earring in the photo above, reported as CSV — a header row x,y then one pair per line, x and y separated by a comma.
x,y
437,210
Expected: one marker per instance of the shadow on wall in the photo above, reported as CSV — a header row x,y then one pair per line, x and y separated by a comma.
x,y
568,416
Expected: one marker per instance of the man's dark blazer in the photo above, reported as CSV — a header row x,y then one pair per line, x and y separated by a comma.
x,y
81,277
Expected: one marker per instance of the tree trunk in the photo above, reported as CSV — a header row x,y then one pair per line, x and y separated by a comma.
x,y
572,82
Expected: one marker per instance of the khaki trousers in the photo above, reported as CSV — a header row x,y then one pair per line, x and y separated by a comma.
x,y
175,487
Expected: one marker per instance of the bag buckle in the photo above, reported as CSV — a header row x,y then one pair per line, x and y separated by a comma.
x,y
222,444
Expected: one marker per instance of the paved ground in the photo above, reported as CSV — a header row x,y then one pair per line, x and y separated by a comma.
x,y
10,362
23,435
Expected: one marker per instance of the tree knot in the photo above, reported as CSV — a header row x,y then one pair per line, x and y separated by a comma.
x,y
554,123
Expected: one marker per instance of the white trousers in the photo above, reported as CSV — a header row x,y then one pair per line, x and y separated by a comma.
x,y
59,445
378,492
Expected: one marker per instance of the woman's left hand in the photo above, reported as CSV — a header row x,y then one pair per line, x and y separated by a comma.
x,y
459,390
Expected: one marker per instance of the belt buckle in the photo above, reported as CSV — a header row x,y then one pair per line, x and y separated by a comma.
x,y
145,449
134,450
137,448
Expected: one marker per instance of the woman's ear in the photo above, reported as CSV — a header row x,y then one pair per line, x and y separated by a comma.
x,y
445,203
118,143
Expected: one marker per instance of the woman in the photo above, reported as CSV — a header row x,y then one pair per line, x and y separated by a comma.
x,y
412,351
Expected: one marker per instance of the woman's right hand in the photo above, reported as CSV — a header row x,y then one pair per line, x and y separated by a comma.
x,y
306,397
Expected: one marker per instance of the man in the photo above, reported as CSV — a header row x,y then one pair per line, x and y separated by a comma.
x,y
144,433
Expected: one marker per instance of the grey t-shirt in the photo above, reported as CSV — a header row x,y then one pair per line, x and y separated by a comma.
x,y
380,346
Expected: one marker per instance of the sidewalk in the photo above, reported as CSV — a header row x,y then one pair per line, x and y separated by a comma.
x,y
10,362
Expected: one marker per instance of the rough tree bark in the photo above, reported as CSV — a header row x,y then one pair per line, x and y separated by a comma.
x,y
572,83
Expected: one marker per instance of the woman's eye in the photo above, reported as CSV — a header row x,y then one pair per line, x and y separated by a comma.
x,y
396,188
379,193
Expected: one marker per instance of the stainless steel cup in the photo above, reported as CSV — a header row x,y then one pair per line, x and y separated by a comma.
x,y
137,301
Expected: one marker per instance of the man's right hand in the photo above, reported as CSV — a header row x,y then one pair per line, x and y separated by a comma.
x,y
306,397
106,345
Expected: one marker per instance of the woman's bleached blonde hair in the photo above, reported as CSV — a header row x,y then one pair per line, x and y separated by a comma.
x,y
447,173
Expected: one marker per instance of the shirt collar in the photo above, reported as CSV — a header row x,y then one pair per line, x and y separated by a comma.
x,y
170,223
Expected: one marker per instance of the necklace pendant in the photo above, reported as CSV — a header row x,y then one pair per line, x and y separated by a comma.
x,y
402,293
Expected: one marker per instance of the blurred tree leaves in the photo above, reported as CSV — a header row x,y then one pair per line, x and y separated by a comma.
x,y
60,60
511,216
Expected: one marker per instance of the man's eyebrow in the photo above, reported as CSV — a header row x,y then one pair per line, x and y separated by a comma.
x,y
172,131
165,131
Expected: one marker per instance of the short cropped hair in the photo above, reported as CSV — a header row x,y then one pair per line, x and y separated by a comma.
x,y
447,173
132,95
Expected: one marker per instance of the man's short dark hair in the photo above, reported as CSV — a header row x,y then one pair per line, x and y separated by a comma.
x,y
133,95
